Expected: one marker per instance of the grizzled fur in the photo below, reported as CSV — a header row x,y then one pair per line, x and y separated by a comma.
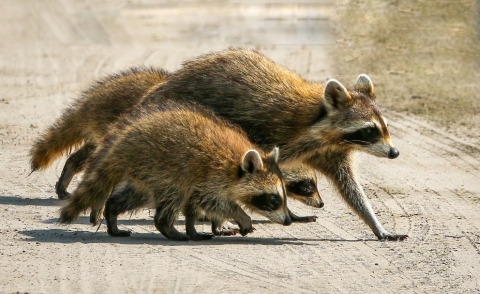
x,y
98,109
320,126
88,120
179,159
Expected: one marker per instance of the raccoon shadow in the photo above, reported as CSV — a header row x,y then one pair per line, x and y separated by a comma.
x,y
17,200
146,221
151,238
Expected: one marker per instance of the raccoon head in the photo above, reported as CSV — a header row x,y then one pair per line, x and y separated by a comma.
x,y
261,186
358,120
301,184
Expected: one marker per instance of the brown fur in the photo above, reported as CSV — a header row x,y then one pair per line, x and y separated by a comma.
x,y
179,156
320,126
93,114
89,117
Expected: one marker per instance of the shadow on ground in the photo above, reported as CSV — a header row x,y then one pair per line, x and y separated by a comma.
x,y
69,236
17,200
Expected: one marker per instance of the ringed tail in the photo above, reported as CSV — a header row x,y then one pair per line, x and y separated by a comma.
x,y
62,136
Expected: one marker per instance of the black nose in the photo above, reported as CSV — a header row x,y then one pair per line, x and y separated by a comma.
x,y
393,153
287,221
321,204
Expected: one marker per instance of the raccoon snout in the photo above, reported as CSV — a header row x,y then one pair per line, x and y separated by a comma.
x,y
321,204
394,153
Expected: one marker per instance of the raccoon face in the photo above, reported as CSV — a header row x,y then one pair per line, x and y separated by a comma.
x,y
262,188
301,184
358,119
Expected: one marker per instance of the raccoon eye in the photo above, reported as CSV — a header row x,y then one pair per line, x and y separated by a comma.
x,y
369,130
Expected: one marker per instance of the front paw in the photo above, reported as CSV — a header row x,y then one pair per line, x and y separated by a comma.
x,y
393,237
247,230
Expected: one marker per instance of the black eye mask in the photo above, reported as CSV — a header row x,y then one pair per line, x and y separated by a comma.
x,y
267,202
302,188
363,137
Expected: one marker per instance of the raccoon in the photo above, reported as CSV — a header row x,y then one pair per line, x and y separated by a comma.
x,y
301,185
87,121
180,159
320,126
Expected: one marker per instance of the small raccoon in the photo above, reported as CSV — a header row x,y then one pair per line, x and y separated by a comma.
x,y
301,184
89,118
180,159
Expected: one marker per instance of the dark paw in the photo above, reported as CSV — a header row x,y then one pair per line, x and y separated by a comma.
x,y
245,231
119,233
305,219
201,237
61,191
63,195
393,237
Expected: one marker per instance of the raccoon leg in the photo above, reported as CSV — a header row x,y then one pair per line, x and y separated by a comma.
x,y
191,215
122,200
164,221
338,167
75,164
243,220
301,219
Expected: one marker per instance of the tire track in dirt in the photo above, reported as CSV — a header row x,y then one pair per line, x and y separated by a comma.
x,y
442,143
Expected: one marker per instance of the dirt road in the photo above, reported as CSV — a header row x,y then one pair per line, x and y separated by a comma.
x,y
51,50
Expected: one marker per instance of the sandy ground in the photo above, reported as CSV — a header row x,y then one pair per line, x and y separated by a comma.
x,y
51,50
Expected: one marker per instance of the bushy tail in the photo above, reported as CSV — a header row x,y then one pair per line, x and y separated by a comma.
x,y
63,135
92,193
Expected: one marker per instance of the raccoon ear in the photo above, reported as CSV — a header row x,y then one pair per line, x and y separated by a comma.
x,y
251,161
364,85
336,95
274,154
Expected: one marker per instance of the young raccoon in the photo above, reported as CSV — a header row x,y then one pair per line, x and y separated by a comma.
x,y
92,115
88,120
319,126
300,182
180,159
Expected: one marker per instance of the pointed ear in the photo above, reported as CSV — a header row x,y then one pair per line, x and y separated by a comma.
x,y
251,161
364,85
274,154
336,95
